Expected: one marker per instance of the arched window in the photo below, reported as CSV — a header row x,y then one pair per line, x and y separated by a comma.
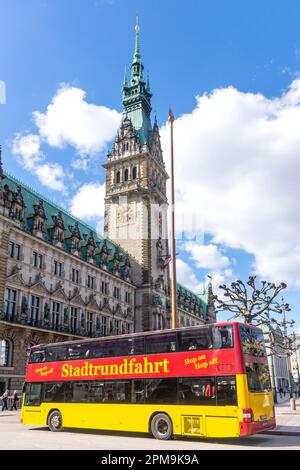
x,y
118,177
5,353
126,174
134,173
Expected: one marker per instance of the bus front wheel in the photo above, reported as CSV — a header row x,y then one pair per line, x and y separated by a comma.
x,y
161,426
55,421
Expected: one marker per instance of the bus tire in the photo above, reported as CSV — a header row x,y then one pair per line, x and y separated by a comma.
x,y
161,426
55,421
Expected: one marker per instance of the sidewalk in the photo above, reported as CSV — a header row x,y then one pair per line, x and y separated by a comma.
x,y
288,421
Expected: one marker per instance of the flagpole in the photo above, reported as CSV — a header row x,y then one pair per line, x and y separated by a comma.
x,y
173,246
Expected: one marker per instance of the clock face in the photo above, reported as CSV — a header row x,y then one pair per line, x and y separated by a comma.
x,y
126,214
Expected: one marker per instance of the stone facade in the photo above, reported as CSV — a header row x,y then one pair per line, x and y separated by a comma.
x,y
60,280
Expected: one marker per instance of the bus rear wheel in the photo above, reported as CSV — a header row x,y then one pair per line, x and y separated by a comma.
x,y
55,421
161,426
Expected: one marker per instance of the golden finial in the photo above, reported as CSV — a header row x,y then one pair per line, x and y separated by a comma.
x,y
137,28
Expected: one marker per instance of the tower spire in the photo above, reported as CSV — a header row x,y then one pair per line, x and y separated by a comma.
x,y
137,95
137,55
125,76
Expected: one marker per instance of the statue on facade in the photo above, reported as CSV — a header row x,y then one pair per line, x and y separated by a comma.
x,y
24,307
76,237
127,269
7,196
39,217
59,228
104,255
46,311
116,262
66,315
159,283
159,248
18,205
91,246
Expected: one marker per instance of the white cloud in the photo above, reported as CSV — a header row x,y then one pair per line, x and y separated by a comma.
x,y
27,148
88,203
207,256
70,120
237,155
51,175
187,277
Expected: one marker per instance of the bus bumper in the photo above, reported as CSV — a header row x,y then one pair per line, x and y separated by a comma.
x,y
246,429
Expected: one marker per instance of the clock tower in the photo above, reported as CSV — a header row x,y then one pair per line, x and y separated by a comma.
x,y
136,202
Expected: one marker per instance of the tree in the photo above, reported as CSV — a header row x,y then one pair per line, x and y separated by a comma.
x,y
251,303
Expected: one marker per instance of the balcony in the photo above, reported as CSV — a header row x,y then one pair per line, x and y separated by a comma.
x,y
64,329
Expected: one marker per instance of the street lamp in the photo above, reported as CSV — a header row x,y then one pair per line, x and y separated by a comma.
x,y
281,309
272,340
295,348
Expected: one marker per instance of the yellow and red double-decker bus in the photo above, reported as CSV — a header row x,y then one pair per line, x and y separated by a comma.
x,y
210,380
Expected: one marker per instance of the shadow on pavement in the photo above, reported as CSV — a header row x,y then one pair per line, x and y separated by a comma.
x,y
258,440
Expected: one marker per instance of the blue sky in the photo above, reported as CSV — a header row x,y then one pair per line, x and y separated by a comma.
x,y
190,49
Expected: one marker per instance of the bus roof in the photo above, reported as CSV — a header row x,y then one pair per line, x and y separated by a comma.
x,y
143,333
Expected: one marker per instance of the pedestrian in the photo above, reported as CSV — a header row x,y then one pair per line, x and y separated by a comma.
x,y
280,392
5,400
15,400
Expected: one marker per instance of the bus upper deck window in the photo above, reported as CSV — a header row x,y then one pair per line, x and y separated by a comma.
x,y
37,356
223,337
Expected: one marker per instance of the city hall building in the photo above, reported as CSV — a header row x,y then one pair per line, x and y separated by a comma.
x,y
60,280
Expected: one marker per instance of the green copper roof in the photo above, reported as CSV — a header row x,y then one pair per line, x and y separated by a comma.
x,y
32,197
199,298
137,97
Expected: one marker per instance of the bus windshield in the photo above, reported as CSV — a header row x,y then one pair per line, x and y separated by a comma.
x,y
253,343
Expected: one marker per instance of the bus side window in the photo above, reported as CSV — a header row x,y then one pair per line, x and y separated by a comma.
x,y
57,353
226,391
198,340
161,343
33,394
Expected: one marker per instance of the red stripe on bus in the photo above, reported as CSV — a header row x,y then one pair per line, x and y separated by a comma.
x,y
181,364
